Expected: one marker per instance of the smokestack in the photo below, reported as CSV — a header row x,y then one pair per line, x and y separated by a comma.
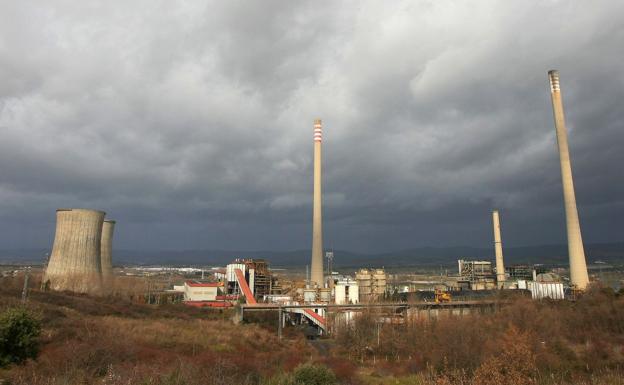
x,y
106,255
578,267
75,260
317,216
498,249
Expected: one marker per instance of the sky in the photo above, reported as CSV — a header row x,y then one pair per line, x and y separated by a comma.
x,y
191,123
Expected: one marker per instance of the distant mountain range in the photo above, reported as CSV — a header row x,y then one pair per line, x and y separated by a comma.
x,y
423,256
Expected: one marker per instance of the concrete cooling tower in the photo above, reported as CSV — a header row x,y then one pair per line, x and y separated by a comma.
x,y
108,228
75,260
578,267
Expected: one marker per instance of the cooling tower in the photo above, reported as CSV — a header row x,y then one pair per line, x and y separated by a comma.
x,y
498,249
75,260
317,216
578,267
106,255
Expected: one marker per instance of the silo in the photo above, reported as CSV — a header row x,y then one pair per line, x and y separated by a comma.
x,y
363,278
379,283
325,294
75,260
106,254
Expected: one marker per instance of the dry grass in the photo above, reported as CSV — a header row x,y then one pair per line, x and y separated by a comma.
x,y
102,340
530,341
113,340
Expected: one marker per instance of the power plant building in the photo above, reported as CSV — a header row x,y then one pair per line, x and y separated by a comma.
x,y
196,291
346,291
257,275
578,268
75,263
476,275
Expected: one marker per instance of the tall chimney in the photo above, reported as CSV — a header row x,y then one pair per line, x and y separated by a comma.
x,y
317,216
578,267
498,249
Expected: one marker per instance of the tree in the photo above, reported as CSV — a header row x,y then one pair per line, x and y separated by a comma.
x,y
19,336
515,365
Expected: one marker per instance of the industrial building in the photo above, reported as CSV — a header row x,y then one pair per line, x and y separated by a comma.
x,y
346,291
202,291
476,275
543,290
257,275
524,272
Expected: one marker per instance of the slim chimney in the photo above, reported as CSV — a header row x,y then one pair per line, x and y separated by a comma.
x,y
578,267
498,249
317,216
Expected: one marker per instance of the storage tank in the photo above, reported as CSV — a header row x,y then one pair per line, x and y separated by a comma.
x,y
325,294
75,260
106,254
363,278
379,283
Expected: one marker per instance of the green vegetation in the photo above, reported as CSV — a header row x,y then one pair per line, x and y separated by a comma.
x,y
309,374
305,374
19,336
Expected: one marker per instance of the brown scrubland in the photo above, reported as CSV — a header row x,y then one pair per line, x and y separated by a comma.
x,y
112,340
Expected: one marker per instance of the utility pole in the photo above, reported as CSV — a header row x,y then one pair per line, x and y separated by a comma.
x,y
149,291
25,290
279,323
307,276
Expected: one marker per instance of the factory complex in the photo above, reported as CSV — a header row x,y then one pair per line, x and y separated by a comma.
x,y
82,261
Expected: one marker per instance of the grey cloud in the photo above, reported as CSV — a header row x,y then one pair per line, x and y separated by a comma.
x,y
191,123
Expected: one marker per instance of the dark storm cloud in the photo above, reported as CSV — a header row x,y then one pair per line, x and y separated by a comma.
x,y
191,123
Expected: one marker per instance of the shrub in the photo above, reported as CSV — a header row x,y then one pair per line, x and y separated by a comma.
x,y
19,333
309,374
513,365
280,379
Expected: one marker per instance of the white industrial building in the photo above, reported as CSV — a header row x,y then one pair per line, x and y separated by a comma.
x,y
542,290
195,291
346,291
